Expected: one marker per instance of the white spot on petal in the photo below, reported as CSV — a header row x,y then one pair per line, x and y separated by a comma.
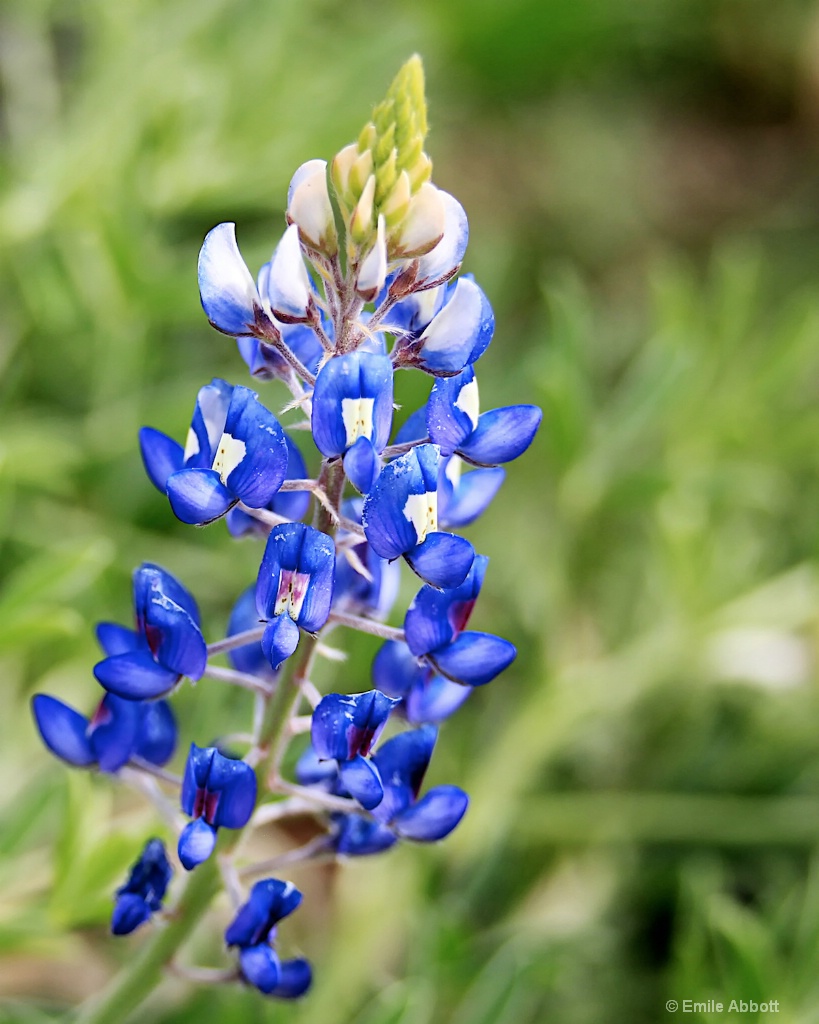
x,y
469,401
229,453
357,414
191,445
422,511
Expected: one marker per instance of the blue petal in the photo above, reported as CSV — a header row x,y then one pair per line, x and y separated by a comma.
x,y
357,836
344,725
235,781
462,504
161,456
197,769
263,361
303,343
351,378
261,471
310,770
63,730
250,658
135,676
280,639
196,843
396,670
130,911
361,465
156,738
198,496
387,524
486,330
447,344
114,639
435,617
474,658
450,410
208,423
402,763
443,560
361,780
414,429
228,294
150,875
295,978
176,641
502,435
270,901
260,966
434,816
152,582
113,731
433,699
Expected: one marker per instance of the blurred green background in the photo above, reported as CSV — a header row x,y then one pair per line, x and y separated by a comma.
x,y
642,184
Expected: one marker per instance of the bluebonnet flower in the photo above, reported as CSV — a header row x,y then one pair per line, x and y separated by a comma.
x,y
373,595
117,731
294,587
425,696
235,451
402,763
287,504
143,893
434,628
400,517
266,362
253,932
454,423
344,729
166,645
352,413
217,792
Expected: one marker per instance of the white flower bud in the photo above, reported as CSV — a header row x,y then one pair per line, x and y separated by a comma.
x,y
308,206
373,271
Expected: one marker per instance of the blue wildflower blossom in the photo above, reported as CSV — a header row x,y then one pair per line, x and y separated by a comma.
x,y
454,423
435,630
235,451
265,362
217,792
400,517
425,695
295,587
253,932
287,504
352,413
344,729
117,731
143,893
166,645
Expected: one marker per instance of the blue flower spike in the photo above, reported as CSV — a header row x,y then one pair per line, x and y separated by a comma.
x,y
167,644
143,893
400,517
253,932
235,451
294,587
454,423
344,729
217,792
352,413
435,629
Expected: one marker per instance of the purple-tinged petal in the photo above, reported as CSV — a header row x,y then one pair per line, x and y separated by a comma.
x,y
235,782
303,343
357,836
442,560
280,640
452,410
501,435
161,456
464,497
156,738
251,456
434,816
444,260
473,658
198,496
401,508
153,584
270,901
361,780
295,978
297,575
135,676
260,966
361,465
175,640
197,770
402,763
228,294
196,843
435,617
345,725
130,911
114,639
288,284
113,730
433,699
63,730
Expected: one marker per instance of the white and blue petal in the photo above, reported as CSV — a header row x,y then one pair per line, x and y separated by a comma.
x,y
501,435
473,659
352,398
161,456
229,297
251,456
207,423
196,843
401,509
63,730
434,816
453,410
